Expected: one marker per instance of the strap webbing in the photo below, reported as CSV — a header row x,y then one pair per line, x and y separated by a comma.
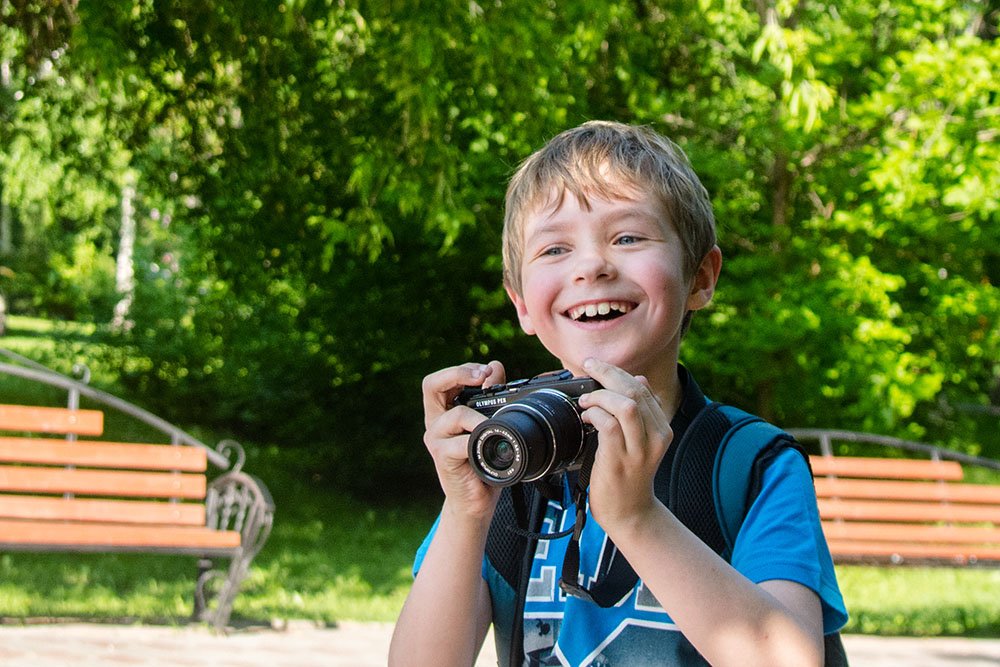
x,y
617,581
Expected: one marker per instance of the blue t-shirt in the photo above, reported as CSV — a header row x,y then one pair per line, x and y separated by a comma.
x,y
780,539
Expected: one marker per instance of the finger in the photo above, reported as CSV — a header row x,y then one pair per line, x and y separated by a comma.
x,y
441,387
636,389
617,418
608,426
610,376
461,420
447,437
495,374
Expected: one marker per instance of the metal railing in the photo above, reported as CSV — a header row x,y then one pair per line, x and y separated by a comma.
x,y
826,437
31,370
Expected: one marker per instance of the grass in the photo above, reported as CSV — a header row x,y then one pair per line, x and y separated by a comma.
x,y
336,561
331,558
921,602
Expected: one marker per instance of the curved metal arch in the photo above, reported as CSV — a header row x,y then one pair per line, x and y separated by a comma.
x,y
31,370
825,437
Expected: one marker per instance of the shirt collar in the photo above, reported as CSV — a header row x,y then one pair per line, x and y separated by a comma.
x,y
692,401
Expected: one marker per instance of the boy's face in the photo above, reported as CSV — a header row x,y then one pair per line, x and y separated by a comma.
x,y
606,283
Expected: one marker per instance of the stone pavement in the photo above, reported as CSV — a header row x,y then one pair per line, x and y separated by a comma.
x,y
302,644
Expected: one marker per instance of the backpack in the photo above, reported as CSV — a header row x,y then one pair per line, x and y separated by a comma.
x,y
712,459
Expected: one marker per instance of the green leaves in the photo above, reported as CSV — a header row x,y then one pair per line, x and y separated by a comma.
x,y
321,189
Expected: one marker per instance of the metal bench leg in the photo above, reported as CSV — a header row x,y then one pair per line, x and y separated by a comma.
x,y
238,569
201,599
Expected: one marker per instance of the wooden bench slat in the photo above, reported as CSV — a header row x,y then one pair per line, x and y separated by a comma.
x,y
103,454
899,490
53,533
881,532
873,510
872,468
51,420
913,511
88,509
102,482
959,554
68,495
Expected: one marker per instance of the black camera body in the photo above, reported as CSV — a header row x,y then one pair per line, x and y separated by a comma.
x,y
533,428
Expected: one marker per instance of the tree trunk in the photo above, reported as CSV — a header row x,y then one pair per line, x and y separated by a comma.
x,y
124,266
6,218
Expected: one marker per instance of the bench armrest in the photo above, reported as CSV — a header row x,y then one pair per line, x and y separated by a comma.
x,y
239,501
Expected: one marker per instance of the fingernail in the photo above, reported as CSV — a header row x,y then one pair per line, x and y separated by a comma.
x,y
588,363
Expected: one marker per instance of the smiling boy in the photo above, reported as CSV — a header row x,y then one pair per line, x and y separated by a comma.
x,y
609,246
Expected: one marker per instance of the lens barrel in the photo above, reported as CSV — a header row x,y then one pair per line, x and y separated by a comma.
x,y
537,435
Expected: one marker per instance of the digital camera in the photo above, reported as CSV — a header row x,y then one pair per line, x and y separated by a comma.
x,y
534,427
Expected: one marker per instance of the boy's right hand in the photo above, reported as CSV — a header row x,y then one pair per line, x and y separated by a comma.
x,y
447,436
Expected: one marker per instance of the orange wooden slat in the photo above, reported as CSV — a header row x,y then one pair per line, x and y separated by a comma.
x,y
873,468
906,490
898,532
103,454
51,533
89,509
102,482
51,420
864,510
958,553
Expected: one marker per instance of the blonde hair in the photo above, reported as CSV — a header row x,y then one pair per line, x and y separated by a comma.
x,y
611,161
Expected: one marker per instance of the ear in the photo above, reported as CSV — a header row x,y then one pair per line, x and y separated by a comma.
x,y
522,311
703,283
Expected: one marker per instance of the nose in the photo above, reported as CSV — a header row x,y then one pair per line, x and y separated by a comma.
x,y
593,264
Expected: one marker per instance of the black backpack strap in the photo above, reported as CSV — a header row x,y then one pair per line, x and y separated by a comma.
x,y
722,455
684,481
616,578
687,467
536,513
748,443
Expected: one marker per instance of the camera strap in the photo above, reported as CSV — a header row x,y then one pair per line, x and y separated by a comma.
x,y
548,490
612,582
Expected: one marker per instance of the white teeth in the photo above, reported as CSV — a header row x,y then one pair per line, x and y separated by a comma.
x,y
600,308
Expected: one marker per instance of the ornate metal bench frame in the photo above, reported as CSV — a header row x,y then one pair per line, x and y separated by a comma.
x,y
234,499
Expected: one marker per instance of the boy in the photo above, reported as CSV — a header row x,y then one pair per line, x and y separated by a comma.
x,y
609,246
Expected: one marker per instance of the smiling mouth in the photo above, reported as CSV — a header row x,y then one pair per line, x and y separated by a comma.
x,y
599,311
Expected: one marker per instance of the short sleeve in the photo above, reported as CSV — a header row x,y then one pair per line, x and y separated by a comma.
x,y
781,537
418,559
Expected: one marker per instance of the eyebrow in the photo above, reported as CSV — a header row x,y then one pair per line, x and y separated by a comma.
x,y
554,224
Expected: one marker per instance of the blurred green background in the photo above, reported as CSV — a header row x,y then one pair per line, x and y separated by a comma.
x,y
285,214
269,220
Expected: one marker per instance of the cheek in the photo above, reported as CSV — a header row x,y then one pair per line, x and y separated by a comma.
x,y
539,289
669,285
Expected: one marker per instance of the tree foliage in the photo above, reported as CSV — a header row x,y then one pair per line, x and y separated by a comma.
x,y
320,192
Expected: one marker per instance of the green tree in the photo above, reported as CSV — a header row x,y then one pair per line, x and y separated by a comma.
x,y
320,192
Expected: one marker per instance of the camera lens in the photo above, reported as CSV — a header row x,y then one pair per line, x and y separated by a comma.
x,y
498,453
535,436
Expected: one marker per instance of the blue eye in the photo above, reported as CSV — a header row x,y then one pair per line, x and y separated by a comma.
x,y
627,240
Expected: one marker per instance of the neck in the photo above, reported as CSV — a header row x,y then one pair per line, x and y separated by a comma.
x,y
667,387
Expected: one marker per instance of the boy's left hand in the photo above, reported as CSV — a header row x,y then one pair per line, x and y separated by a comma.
x,y
633,436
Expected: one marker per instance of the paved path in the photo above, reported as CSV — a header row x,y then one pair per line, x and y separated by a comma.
x,y
302,644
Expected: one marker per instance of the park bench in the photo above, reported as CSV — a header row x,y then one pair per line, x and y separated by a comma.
x,y
59,492
902,510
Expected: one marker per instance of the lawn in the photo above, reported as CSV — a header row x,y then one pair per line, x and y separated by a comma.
x,y
333,558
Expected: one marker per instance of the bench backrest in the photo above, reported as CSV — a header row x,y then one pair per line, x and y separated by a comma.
x,y
905,510
75,480
34,419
